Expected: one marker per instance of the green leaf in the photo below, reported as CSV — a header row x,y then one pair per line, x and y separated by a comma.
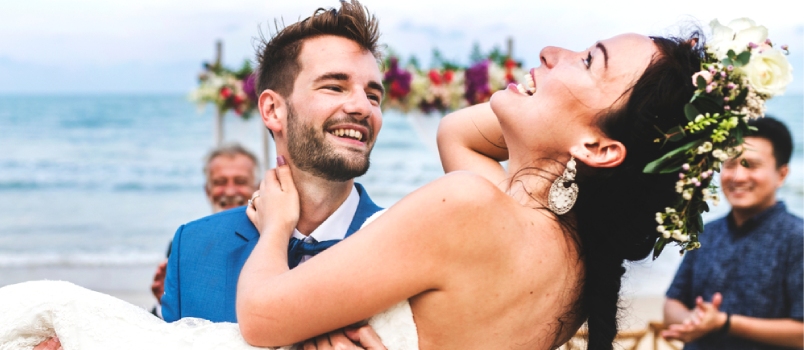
x,y
700,82
740,98
658,247
731,54
738,134
727,61
678,134
667,163
690,111
742,59
707,104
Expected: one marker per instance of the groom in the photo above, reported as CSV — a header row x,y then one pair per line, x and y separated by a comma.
x,y
321,104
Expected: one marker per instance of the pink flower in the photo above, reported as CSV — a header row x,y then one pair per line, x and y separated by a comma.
x,y
704,74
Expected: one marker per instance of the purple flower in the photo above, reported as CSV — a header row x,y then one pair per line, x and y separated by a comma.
x,y
398,80
249,88
477,82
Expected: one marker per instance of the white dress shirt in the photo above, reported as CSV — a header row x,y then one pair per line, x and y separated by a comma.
x,y
335,226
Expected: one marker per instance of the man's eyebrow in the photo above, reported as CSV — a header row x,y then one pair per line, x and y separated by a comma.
x,y
332,76
344,77
377,86
605,54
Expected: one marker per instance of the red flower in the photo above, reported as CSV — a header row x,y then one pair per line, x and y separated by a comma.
x,y
435,78
448,76
226,92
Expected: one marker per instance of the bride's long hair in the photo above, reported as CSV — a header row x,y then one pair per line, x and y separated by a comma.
x,y
615,211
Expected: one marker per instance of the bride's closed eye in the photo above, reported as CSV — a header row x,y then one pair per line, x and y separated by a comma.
x,y
588,60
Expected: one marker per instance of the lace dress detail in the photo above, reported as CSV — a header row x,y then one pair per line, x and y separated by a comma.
x,y
32,312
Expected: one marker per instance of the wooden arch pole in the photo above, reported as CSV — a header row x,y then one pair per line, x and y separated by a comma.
x,y
219,114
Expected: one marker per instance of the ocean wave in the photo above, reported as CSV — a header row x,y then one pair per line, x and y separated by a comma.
x,y
79,259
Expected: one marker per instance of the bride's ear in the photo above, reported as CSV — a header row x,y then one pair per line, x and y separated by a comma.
x,y
273,110
599,152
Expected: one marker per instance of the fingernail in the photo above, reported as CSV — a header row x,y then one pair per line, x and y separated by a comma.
x,y
280,161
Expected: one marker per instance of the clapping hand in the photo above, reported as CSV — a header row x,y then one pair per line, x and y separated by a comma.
x,y
703,319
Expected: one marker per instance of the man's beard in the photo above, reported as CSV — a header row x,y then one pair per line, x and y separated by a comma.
x,y
311,153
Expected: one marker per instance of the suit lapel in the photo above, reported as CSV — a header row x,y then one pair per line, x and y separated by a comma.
x,y
365,209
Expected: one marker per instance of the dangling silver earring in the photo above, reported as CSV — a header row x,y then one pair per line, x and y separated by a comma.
x,y
564,190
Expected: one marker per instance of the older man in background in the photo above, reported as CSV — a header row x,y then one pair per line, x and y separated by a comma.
x,y
231,178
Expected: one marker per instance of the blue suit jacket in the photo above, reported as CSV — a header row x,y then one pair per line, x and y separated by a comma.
x,y
207,256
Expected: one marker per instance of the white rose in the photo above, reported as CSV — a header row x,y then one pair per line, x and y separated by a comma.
x,y
735,36
768,71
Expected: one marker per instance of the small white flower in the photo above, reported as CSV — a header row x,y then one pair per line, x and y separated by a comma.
x,y
666,234
659,220
705,147
706,192
661,229
677,235
669,210
720,155
687,194
674,218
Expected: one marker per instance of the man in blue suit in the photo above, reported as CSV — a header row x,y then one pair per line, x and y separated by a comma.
x,y
321,89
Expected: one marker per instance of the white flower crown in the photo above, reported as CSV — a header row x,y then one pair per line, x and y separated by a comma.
x,y
741,70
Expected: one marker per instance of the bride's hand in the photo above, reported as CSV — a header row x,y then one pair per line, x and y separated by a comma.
x,y
50,344
363,338
275,206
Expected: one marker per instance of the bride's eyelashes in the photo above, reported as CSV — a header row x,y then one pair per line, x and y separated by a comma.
x,y
588,60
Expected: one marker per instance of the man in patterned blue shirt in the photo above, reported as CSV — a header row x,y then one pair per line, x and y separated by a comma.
x,y
743,288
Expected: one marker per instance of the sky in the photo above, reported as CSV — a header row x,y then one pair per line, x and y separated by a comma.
x,y
158,46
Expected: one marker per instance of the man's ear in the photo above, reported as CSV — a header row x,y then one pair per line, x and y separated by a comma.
x,y
600,152
273,110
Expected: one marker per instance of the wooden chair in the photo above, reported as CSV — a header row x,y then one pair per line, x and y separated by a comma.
x,y
629,339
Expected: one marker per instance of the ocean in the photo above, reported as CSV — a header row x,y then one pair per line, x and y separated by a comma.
x,y
92,187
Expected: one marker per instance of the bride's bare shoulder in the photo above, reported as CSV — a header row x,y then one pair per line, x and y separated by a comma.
x,y
462,188
458,197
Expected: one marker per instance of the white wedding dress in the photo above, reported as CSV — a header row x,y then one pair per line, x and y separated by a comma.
x,y
32,312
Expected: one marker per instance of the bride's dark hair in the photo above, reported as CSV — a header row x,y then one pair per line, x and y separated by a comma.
x,y
616,207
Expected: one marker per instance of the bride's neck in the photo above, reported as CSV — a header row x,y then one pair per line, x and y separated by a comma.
x,y
529,180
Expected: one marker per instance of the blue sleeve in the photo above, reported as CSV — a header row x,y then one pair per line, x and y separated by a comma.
x,y
171,301
795,274
681,287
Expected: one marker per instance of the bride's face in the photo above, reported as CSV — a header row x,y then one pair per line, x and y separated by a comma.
x,y
572,88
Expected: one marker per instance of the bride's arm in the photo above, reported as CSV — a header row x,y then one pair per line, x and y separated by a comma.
x,y
392,259
471,139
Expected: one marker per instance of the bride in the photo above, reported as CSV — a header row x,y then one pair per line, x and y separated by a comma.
x,y
484,257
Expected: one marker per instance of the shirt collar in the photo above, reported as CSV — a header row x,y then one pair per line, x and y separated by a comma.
x,y
755,220
336,225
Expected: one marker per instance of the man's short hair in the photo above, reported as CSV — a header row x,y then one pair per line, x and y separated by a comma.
x,y
777,133
278,57
230,150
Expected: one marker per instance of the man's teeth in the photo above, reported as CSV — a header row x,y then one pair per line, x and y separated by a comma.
x,y
357,135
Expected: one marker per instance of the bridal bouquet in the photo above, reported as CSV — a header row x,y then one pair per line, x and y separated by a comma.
x,y
742,69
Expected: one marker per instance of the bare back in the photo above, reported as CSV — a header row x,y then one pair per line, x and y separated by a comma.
x,y
512,284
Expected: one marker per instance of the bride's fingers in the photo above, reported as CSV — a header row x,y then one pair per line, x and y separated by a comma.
x,y
283,175
366,336
50,344
252,215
